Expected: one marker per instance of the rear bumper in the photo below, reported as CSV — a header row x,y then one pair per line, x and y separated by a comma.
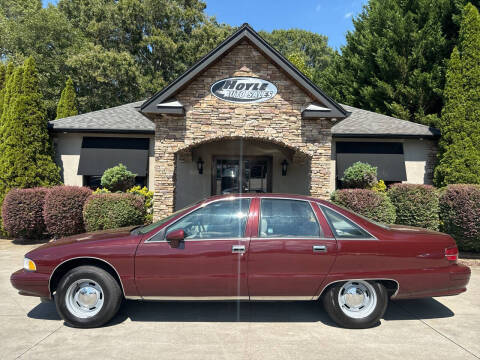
x,y
31,283
452,280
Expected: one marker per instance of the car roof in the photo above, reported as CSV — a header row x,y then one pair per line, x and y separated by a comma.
x,y
265,195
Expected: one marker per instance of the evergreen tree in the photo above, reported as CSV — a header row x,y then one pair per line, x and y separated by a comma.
x,y
67,106
460,122
25,147
394,62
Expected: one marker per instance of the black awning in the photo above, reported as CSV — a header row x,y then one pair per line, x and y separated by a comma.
x,y
390,167
100,154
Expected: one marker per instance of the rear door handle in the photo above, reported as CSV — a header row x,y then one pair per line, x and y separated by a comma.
x,y
238,249
319,248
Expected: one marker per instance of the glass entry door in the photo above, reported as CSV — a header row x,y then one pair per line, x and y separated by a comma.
x,y
241,175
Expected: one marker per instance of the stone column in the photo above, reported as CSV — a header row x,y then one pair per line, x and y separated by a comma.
x,y
168,138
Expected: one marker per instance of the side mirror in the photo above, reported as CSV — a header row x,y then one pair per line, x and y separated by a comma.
x,y
174,237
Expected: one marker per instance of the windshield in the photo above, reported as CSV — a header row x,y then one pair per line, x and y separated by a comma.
x,y
147,228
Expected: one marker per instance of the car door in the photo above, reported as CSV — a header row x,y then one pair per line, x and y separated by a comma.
x,y
290,254
208,264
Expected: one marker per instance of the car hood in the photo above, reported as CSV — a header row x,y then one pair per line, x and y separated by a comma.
x,y
95,236
413,229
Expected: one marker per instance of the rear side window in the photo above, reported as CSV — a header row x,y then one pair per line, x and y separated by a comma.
x,y
287,218
218,220
342,227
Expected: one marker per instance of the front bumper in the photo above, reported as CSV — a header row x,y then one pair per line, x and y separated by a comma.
x,y
31,283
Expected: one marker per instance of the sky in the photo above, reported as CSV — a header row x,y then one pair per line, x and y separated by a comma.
x,y
332,18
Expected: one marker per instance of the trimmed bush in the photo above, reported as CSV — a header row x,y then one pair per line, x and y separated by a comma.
x,y
110,211
359,176
415,205
22,213
148,199
460,215
63,210
118,178
372,204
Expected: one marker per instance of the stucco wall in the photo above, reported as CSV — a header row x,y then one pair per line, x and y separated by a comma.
x,y
420,157
67,155
207,118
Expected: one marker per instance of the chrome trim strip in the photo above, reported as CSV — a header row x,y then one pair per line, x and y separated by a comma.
x,y
217,298
293,238
195,209
280,298
333,282
190,298
85,257
361,227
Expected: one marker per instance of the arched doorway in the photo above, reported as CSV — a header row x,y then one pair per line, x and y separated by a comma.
x,y
239,164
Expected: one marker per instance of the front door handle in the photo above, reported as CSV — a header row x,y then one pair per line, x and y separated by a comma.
x,y
238,249
319,248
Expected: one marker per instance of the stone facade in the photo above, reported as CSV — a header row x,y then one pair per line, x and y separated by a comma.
x,y
208,118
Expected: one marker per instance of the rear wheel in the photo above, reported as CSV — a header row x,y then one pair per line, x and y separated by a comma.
x,y
356,304
87,297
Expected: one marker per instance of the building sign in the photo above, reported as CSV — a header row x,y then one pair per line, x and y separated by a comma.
x,y
243,90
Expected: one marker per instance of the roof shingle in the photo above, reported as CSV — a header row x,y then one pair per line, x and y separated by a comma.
x,y
370,124
126,118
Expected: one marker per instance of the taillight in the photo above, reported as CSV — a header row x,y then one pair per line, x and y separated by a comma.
x,y
451,253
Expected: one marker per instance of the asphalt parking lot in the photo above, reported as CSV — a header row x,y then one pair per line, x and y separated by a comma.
x,y
438,328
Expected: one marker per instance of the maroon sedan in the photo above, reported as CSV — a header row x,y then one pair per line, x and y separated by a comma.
x,y
246,247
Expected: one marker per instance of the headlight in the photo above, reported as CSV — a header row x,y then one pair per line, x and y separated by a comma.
x,y
29,265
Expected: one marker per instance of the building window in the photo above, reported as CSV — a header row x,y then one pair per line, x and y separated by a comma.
x,y
386,156
101,153
94,181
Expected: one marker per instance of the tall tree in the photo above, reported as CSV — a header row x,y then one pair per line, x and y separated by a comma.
x,y
26,30
67,106
25,148
394,60
460,122
303,46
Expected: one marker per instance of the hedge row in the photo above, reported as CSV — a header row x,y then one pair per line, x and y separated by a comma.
x,y
109,211
454,209
460,215
372,204
415,205
68,210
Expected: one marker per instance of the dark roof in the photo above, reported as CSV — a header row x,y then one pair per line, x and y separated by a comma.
x,y
119,119
363,123
127,119
244,32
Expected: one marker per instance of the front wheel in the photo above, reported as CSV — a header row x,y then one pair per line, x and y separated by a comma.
x,y
87,297
356,304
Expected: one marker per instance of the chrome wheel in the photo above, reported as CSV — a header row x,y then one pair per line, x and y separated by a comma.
x,y
84,298
357,299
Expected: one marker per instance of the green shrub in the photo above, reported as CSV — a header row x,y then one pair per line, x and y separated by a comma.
x,y
372,204
118,178
110,211
380,186
415,205
460,215
148,199
359,176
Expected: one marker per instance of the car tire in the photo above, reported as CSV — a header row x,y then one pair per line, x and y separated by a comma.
x,y
87,297
356,304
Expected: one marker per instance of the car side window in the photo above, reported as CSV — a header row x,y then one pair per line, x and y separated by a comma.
x,y
342,227
217,220
287,218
